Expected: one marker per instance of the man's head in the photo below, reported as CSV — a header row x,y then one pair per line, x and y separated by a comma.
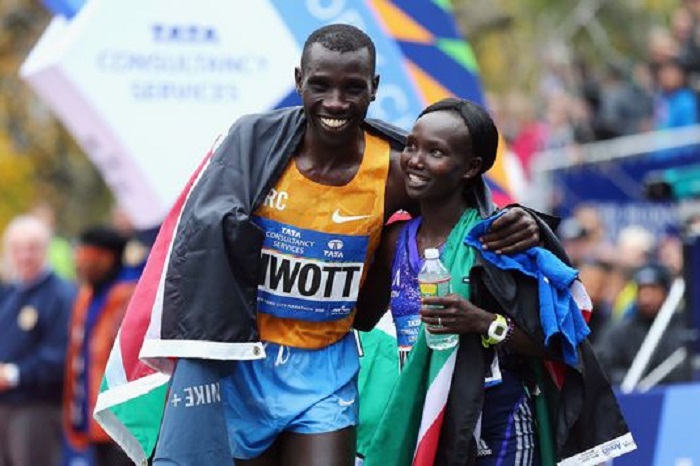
x,y
26,244
341,38
653,282
672,75
634,246
337,82
98,255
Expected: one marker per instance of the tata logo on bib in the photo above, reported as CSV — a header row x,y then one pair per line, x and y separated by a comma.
x,y
335,245
182,33
334,249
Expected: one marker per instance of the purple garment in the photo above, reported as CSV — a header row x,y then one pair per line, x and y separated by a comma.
x,y
405,295
405,301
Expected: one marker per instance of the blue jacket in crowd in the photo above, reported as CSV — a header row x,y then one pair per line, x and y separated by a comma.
x,y
34,335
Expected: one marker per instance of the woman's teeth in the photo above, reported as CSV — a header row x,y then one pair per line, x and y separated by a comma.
x,y
416,180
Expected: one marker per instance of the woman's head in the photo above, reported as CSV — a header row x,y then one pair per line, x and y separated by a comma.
x,y
452,142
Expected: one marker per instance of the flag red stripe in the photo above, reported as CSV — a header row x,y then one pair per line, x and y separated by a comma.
x,y
427,446
139,312
587,314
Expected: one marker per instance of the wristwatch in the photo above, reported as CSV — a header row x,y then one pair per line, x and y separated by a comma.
x,y
498,331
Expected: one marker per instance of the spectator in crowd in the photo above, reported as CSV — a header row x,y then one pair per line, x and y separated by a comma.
x,y
623,107
684,27
33,336
634,247
620,342
676,102
105,290
670,253
661,47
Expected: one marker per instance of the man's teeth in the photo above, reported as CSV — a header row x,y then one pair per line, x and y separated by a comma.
x,y
333,122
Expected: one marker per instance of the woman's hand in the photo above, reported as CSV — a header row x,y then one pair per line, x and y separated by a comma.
x,y
460,316
514,231
454,315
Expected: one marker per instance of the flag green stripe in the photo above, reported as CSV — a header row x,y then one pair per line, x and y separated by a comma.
x,y
394,442
379,371
141,415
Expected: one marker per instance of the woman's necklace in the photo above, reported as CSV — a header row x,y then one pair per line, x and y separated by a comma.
x,y
422,246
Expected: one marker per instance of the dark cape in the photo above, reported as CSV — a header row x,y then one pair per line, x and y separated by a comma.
x,y
582,409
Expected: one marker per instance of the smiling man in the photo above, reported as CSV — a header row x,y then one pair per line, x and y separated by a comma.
x,y
270,246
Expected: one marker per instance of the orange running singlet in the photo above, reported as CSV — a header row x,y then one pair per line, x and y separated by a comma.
x,y
318,239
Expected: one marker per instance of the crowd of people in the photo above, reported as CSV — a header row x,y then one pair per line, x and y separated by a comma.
x,y
618,275
578,102
61,305
287,282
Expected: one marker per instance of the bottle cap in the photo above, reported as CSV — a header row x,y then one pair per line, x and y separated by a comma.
x,y
431,253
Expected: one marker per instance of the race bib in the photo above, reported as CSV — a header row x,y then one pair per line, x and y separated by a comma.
x,y
309,275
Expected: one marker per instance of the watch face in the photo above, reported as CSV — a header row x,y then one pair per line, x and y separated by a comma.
x,y
498,330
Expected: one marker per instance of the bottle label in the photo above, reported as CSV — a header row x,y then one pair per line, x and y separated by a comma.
x,y
440,288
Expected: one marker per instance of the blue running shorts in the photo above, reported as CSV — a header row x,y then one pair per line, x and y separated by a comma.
x,y
292,389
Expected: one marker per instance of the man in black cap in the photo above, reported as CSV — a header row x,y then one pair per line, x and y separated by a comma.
x,y
105,291
620,342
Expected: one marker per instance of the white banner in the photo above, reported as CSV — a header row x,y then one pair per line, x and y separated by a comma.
x,y
146,86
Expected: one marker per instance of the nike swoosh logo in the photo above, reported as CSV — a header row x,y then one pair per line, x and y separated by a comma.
x,y
338,218
345,403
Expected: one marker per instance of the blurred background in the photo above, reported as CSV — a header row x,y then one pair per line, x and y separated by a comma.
x,y
543,64
596,102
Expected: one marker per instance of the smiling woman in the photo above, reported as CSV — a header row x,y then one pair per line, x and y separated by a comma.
x,y
451,145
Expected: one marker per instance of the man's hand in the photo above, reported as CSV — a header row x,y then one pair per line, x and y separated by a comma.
x,y
514,231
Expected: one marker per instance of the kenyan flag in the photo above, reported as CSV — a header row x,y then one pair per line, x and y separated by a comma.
x,y
401,415
131,402
132,396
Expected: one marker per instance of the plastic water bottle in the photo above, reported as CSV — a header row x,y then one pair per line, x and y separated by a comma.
x,y
434,280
